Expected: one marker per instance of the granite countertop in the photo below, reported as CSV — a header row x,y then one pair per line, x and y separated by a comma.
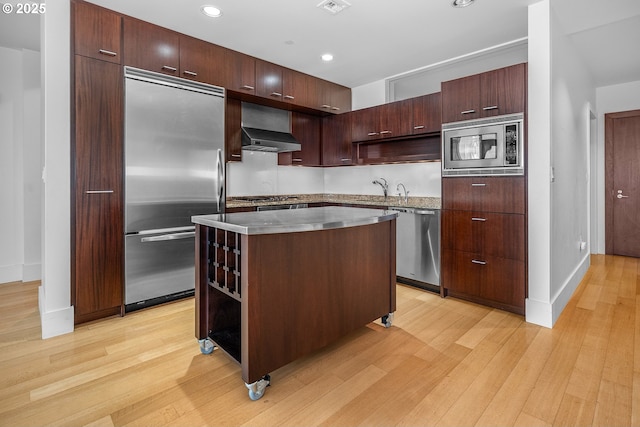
x,y
294,220
390,201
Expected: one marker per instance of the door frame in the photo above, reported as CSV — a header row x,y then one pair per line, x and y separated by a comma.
x,y
608,174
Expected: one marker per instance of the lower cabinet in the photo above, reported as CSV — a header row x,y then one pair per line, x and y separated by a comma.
x,y
97,190
484,241
494,281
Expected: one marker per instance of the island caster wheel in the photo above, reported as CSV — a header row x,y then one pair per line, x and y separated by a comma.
x,y
387,320
206,346
257,389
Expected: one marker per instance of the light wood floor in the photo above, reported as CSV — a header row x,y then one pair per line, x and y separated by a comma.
x,y
443,362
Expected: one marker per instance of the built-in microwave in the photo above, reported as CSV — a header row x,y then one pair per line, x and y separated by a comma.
x,y
491,146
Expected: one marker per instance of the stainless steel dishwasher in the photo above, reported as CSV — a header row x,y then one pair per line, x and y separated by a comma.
x,y
418,247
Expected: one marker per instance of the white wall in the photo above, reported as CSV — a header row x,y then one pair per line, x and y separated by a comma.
x,y
20,164
259,174
609,99
573,98
56,312
561,97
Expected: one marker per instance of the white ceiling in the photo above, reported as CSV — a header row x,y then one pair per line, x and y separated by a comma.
x,y
375,39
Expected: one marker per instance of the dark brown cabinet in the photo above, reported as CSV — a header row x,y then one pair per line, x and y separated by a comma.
x,y
306,129
336,140
484,240
232,130
493,93
241,72
97,189
154,48
383,121
331,97
268,80
294,87
426,113
401,131
100,29
151,47
202,61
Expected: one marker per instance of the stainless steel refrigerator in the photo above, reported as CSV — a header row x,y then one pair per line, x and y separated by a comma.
x,y
174,168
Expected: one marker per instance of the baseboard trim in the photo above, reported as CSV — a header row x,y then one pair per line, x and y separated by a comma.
x,y
545,313
56,322
31,272
10,273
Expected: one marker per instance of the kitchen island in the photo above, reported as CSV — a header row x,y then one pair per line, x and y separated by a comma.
x,y
274,286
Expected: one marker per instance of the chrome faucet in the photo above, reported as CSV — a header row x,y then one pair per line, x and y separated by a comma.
x,y
384,185
406,193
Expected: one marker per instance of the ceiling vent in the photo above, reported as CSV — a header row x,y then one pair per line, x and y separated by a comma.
x,y
334,6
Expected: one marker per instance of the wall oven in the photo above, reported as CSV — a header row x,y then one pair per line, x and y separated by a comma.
x,y
491,146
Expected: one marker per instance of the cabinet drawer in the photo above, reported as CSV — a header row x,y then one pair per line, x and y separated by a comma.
x,y
487,194
497,281
491,234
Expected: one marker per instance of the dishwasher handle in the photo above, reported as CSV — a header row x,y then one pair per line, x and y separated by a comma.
x,y
172,236
414,211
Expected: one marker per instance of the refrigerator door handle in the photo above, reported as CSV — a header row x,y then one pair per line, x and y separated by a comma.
x,y
220,189
172,236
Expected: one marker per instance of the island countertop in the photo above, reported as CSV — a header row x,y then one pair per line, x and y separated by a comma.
x,y
294,220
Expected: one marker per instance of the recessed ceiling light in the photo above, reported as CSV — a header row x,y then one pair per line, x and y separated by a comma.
x,y
211,11
327,57
462,3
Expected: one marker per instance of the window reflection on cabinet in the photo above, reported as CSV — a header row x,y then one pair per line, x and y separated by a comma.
x,y
151,47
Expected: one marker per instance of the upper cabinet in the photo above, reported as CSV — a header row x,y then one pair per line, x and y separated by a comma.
x,y
331,97
426,114
305,128
487,94
383,121
295,87
202,61
336,140
100,31
268,80
241,72
151,47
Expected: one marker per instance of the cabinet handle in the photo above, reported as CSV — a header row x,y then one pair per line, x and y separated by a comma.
x,y
236,155
478,185
468,112
335,108
99,191
476,261
493,107
247,87
107,52
325,106
384,132
276,94
478,219
418,127
190,73
296,160
345,160
289,97
168,68
372,134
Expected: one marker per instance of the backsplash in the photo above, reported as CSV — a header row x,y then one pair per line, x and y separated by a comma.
x,y
259,174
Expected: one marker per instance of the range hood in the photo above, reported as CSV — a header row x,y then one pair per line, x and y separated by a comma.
x,y
267,129
268,140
